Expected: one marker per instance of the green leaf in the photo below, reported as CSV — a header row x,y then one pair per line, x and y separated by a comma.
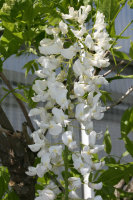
x,y
131,49
126,128
121,55
4,179
130,3
127,122
19,96
11,196
107,142
30,66
1,3
105,96
126,153
128,145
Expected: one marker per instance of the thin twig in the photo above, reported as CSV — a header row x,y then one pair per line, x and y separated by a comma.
x,y
4,121
19,102
112,69
28,139
3,130
121,99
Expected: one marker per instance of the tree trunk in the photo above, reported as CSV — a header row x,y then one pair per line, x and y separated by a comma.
x,y
16,156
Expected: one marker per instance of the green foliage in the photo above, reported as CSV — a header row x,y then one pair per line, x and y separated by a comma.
x,y
131,49
112,176
30,66
121,55
4,179
105,96
5,191
130,3
126,128
107,142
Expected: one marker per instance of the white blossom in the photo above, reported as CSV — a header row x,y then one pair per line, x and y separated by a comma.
x,y
74,183
68,140
63,27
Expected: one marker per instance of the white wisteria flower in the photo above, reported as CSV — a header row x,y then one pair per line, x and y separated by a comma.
x,y
68,140
74,183
45,194
81,166
59,115
69,53
63,27
49,46
73,195
72,14
96,186
68,90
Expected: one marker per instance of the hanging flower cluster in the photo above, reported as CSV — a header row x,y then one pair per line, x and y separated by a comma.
x,y
69,88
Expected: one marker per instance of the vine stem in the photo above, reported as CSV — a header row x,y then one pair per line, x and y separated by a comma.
x,y
66,148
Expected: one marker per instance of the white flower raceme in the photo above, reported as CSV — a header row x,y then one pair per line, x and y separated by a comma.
x,y
68,88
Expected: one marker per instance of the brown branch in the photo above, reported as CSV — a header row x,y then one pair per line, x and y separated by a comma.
x,y
3,130
17,157
113,68
26,136
4,121
19,102
121,99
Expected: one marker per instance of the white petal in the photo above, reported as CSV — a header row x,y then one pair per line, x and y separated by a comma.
x,y
34,111
68,53
88,41
63,27
55,129
97,186
35,147
31,171
41,170
73,195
